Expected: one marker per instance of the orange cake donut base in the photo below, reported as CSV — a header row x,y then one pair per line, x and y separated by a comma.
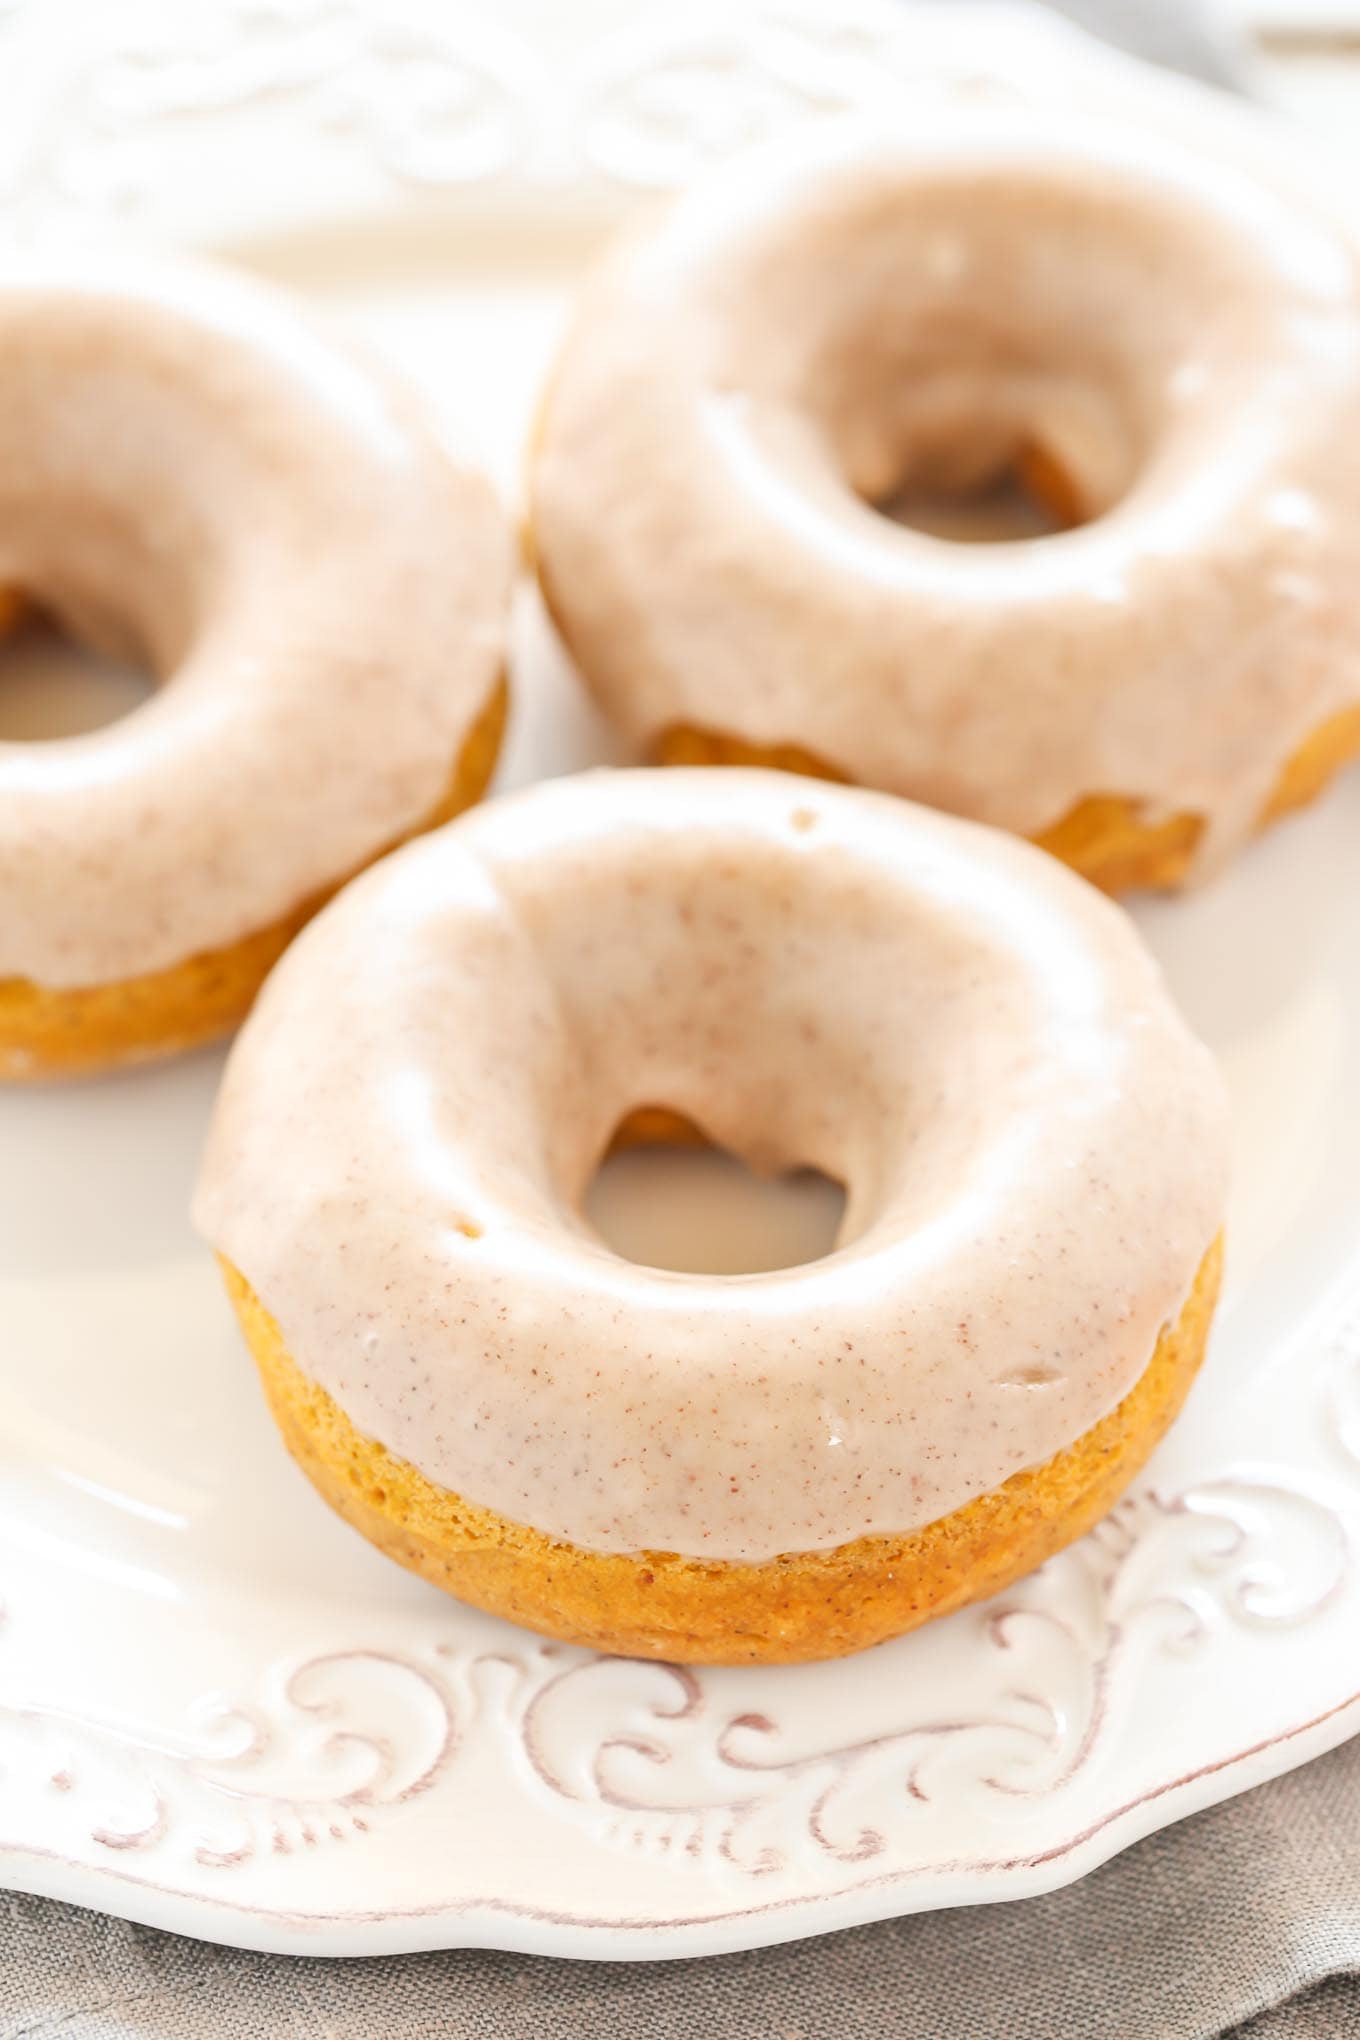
x,y
1315,763
660,1605
49,1032
1105,837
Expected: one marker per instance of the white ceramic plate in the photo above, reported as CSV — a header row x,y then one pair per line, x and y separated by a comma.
x,y
223,1713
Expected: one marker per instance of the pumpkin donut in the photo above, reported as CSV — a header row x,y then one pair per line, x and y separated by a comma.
x,y
193,476
1155,331
715,1468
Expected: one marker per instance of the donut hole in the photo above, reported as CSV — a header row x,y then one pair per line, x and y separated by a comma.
x,y
1029,495
55,682
666,1196
997,455
978,343
718,994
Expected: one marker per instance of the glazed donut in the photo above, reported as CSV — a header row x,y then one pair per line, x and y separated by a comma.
x,y
716,1468
192,476
1166,343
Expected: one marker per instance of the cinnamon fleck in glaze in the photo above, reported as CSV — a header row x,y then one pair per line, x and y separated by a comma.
x,y
945,1020
193,475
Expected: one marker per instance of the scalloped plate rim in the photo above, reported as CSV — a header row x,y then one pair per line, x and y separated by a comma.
x,y
483,1923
